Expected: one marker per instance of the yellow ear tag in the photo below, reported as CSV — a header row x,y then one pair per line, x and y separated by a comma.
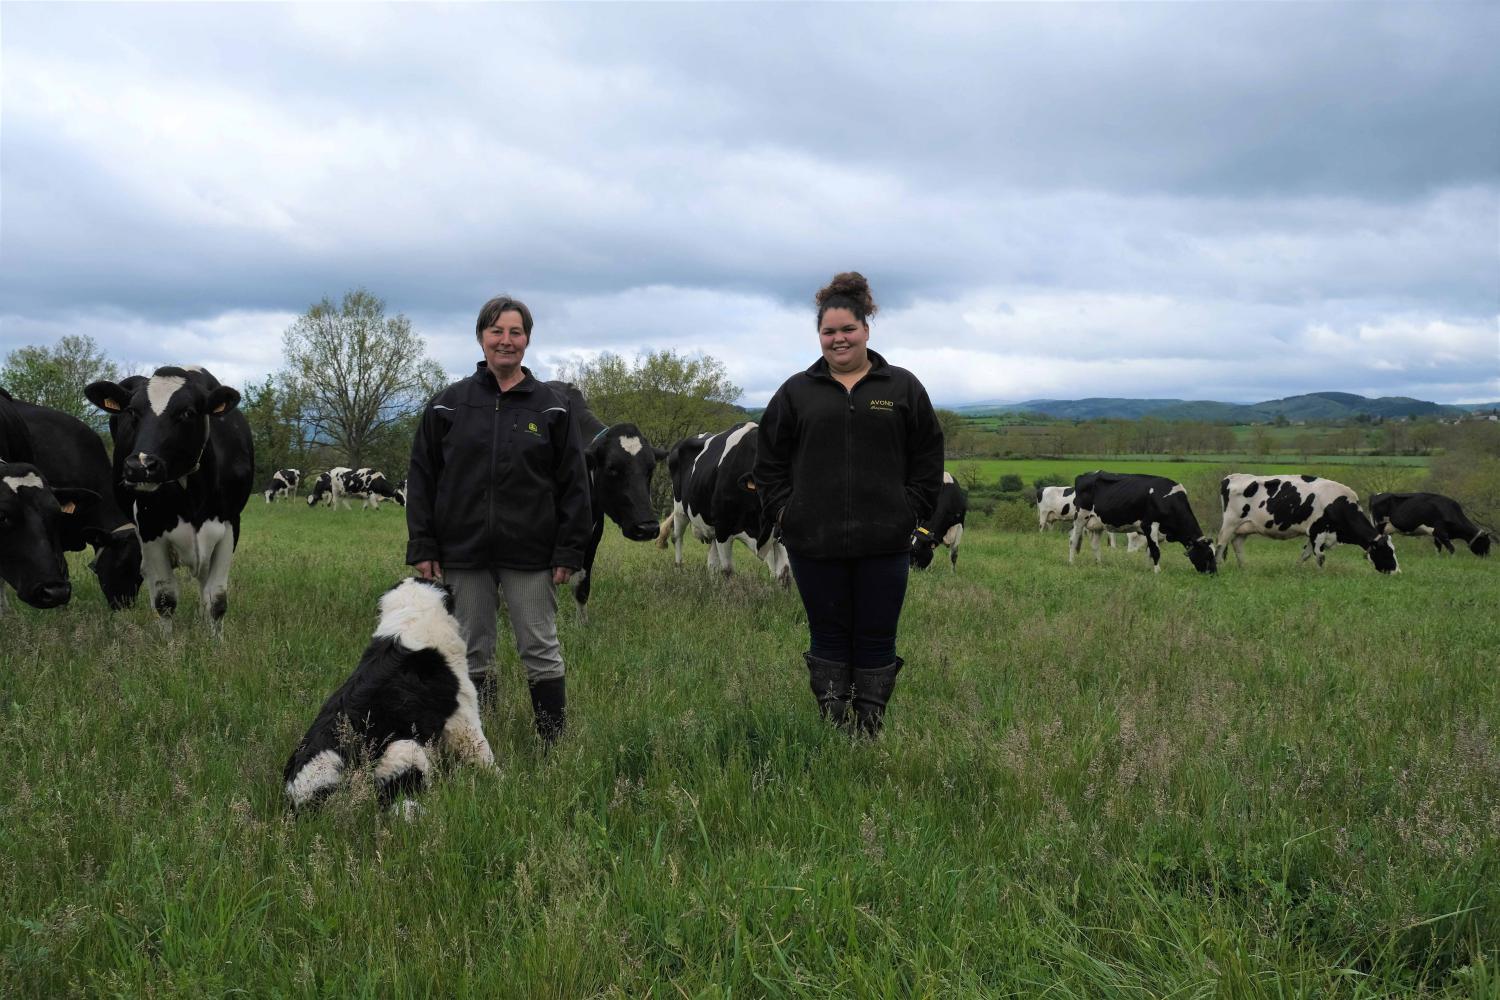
x,y
923,531
110,404
750,486
220,408
69,507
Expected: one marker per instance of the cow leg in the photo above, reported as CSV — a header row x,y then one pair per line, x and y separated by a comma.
x,y
1239,550
1154,549
1442,541
1226,538
215,543
951,539
583,584
1094,540
161,584
721,556
1307,551
1075,541
679,528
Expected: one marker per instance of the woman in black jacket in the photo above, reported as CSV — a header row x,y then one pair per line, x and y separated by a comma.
x,y
850,462
497,499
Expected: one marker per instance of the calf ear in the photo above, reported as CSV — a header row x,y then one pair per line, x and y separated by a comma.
x,y
71,498
107,396
747,482
223,399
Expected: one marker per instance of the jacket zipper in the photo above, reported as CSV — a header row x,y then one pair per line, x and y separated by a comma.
x,y
489,507
848,463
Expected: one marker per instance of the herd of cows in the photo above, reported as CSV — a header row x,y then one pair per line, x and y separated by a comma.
x,y
172,494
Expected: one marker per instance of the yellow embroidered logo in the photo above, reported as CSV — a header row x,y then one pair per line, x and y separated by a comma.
x,y
882,404
532,428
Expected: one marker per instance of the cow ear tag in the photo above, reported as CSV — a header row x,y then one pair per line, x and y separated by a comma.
x,y
220,408
750,486
110,404
69,507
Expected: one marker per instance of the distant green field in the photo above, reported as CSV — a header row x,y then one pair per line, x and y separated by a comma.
x,y
1096,782
1397,472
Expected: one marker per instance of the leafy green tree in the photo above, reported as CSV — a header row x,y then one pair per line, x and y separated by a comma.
x,y
56,376
356,372
282,437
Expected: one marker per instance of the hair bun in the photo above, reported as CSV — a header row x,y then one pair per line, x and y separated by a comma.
x,y
852,288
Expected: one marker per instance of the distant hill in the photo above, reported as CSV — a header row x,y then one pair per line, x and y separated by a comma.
x,y
1313,407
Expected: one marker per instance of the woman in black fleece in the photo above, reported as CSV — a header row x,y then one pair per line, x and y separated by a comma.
x,y
850,462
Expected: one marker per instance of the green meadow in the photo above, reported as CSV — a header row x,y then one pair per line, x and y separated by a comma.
x,y
1405,470
1094,782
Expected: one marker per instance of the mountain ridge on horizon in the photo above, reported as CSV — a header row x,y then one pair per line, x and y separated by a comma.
x,y
1305,407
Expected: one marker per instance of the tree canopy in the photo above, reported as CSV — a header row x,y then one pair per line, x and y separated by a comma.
x,y
667,395
356,373
56,376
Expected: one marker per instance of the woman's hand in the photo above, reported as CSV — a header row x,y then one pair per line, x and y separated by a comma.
x,y
560,575
428,569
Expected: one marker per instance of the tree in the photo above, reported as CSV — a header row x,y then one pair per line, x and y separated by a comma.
x,y
282,438
56,376
356,372
668,396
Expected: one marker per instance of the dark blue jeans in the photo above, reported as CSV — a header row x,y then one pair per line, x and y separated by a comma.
x,y
853,606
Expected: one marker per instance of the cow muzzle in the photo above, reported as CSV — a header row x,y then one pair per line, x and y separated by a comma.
x,y
144,471
642,531
48,595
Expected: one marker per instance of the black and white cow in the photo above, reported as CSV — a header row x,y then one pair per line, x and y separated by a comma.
x,y
371,486
74,458
185,464
283,484
329,487
32,517
1055,504
621,462
410,690
1153,506
1318,510
713,492
945,526
400,496
1428,514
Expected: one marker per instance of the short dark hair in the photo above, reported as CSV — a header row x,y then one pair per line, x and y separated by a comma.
x,y
502,304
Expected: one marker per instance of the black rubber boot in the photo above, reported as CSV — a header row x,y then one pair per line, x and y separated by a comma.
x,y
872,689
831,684
549,700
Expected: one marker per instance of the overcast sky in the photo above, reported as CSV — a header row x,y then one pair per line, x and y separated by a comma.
x,y
1213,201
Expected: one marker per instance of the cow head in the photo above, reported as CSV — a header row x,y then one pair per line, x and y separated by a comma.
x,y
321,487
160,424
1382,554
1200,552
923,544
621,462
1480,544
117,564
31,553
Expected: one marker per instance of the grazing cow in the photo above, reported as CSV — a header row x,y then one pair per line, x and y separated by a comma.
x,y
75,459
283,484
369,485
400,494
713,492
185,464
1428,514
1153,506
329,486
1319,510
945,526
32,515
410,688
1055,503
620,463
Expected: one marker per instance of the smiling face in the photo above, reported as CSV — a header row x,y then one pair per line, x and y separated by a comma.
x,y
504,343
843,339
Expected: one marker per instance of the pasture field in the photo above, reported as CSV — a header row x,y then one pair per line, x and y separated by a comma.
x,y
1094,782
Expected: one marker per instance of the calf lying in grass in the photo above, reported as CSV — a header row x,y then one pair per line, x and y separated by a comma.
x,y
411,687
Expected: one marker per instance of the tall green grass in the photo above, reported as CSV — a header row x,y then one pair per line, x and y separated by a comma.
x,y
1094,782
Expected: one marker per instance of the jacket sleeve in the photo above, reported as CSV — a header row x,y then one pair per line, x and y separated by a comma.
x,y
422,476
776,439
924,451
571,493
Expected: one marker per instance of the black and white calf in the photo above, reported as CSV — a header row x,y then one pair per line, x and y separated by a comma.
x,y
945,526
75,459
329,487
1055,504
1152,506
283,484
621,462
1320,511
1430,514
184,464
410,690
713,492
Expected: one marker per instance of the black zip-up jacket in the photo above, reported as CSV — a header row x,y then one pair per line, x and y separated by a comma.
x,y
849,473
497,479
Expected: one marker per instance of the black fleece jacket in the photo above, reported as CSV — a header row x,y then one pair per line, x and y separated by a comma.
x,y
849,473
497,479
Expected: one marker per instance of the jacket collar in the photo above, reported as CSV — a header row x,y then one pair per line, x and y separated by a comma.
x,y
878,368
483,376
